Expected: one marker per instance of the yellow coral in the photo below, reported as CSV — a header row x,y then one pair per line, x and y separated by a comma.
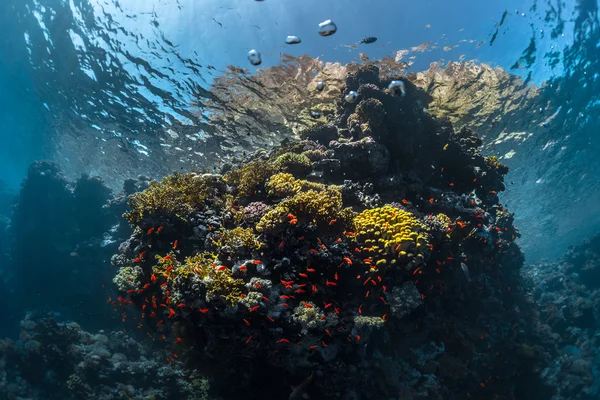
x,y
251,176
389,235
237,237
290,162
219,283
177,195
319,207
284,185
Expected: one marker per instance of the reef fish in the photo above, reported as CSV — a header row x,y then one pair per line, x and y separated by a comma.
x,y
300,391
368,40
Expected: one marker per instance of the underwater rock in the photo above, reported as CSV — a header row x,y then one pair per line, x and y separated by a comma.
x,y
372,158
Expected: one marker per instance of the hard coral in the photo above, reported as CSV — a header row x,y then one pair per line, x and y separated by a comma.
x,y
292,162
250,177
284,185
219,282
320,207
177,195
390,235
237,237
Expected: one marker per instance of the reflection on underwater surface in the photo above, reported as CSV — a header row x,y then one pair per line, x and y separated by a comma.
x,y
342,212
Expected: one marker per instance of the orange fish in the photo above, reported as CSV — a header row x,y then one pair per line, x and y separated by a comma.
x,y
293,221
329,283
348,261
222,268
247,322
283,341
333,221
203,310
153,278
327,305
150,231
308,305
175,245
167,258
243,268
171,313
310,270
256,262
159,230
248,340
254,308
303,275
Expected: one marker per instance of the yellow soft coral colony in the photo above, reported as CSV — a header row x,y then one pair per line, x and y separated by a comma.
x,y
391,237
285,185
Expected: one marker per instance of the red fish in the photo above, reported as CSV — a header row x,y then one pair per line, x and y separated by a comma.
x,y
283,341
254,308
247,322
167,258
203,310
311,270
256,262
222,268
303,275
150,231
243,268
175,245
159,230
171,313
329,283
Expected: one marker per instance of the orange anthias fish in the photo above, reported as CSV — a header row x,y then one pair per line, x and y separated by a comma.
x,y
175,244
150,231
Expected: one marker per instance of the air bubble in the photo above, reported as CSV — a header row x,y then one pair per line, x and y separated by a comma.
x,y
397,88
327,28
351,97
254,57
315,114
320,86
292,40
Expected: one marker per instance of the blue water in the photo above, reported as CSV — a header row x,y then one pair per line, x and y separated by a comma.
x,y
122,89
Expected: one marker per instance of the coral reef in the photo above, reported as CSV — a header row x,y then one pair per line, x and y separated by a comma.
x,y
295,261
71,363
61,235
568,300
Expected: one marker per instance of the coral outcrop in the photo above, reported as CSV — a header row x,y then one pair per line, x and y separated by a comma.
x,y
293,259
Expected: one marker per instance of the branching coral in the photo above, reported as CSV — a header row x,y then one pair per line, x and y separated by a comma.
x,y
284,185
292,162
176,195
320,207
251,176
236,238
128,278
219,282
389,235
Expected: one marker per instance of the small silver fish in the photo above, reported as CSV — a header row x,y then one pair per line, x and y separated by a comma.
x,y
368,40
300,391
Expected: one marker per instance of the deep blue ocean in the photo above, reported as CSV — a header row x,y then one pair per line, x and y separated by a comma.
x,y
299,199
